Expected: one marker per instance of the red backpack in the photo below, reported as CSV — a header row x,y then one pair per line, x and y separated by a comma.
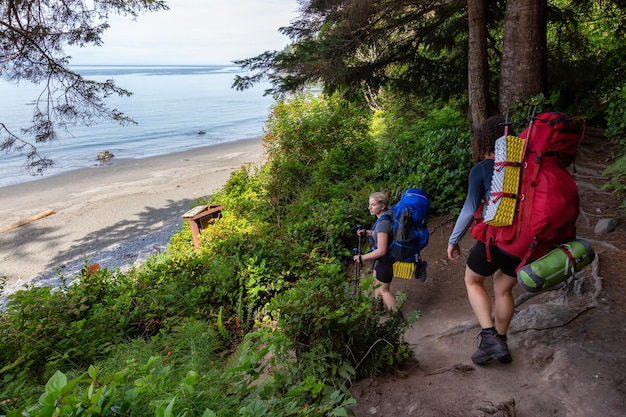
x,y
547,202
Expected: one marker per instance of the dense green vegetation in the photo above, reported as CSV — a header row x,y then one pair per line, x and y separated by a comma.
x,y
264,320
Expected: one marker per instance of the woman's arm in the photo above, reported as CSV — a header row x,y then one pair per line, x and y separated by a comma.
x,y
381,249
475,194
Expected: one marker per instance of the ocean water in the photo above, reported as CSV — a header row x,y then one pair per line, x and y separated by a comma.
x,y
177,108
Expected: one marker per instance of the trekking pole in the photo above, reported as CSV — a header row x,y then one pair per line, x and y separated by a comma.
x,y
357,267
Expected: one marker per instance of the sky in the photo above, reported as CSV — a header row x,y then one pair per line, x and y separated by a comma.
x,y
193,32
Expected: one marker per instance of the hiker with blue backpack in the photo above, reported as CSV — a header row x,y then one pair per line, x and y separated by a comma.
x,y
502,265
380,236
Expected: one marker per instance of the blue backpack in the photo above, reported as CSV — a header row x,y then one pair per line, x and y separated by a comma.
x,y
410,232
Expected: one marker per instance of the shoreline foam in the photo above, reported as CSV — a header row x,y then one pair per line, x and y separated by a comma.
x,y
98,210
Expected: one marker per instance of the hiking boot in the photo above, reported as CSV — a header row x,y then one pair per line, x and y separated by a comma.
x,y
420,270
491,347
401,318
505,358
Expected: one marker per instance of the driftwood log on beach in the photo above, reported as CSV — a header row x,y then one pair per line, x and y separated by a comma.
x,y
29,220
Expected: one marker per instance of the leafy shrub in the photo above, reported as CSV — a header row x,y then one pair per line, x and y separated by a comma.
x,y
187,373
616,116
616,131
307,131
430,151
520,111
43,329
335,334
617,179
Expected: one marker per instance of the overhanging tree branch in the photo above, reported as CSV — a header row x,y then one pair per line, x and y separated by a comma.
x,y
33,34
354,44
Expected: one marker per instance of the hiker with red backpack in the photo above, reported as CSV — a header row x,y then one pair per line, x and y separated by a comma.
x,y
528,207
502,266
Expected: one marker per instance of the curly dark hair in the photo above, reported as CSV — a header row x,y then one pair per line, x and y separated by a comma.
x,y
486,135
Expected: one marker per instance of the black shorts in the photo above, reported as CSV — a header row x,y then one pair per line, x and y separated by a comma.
x,y
384,270
477,261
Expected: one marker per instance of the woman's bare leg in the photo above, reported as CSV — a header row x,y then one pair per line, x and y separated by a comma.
x,y
388,298
478,297
504,302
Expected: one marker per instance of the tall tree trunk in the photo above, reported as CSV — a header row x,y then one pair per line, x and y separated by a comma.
x,y
523,69
478,66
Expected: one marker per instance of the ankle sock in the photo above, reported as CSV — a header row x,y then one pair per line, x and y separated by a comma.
x,y
489,330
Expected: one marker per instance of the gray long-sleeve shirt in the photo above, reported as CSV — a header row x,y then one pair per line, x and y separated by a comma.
x,y
477,190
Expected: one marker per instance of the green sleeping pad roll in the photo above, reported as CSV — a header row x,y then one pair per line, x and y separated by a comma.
x,y
556,266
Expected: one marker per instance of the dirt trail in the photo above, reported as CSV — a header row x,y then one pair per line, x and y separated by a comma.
x,y
568,346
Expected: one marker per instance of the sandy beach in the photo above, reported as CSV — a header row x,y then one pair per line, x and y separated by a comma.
x,y
97,212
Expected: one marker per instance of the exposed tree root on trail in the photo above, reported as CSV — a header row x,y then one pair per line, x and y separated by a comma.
x,y
459,368
503,409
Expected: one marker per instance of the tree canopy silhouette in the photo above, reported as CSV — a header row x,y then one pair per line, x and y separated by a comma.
x,y
498,51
